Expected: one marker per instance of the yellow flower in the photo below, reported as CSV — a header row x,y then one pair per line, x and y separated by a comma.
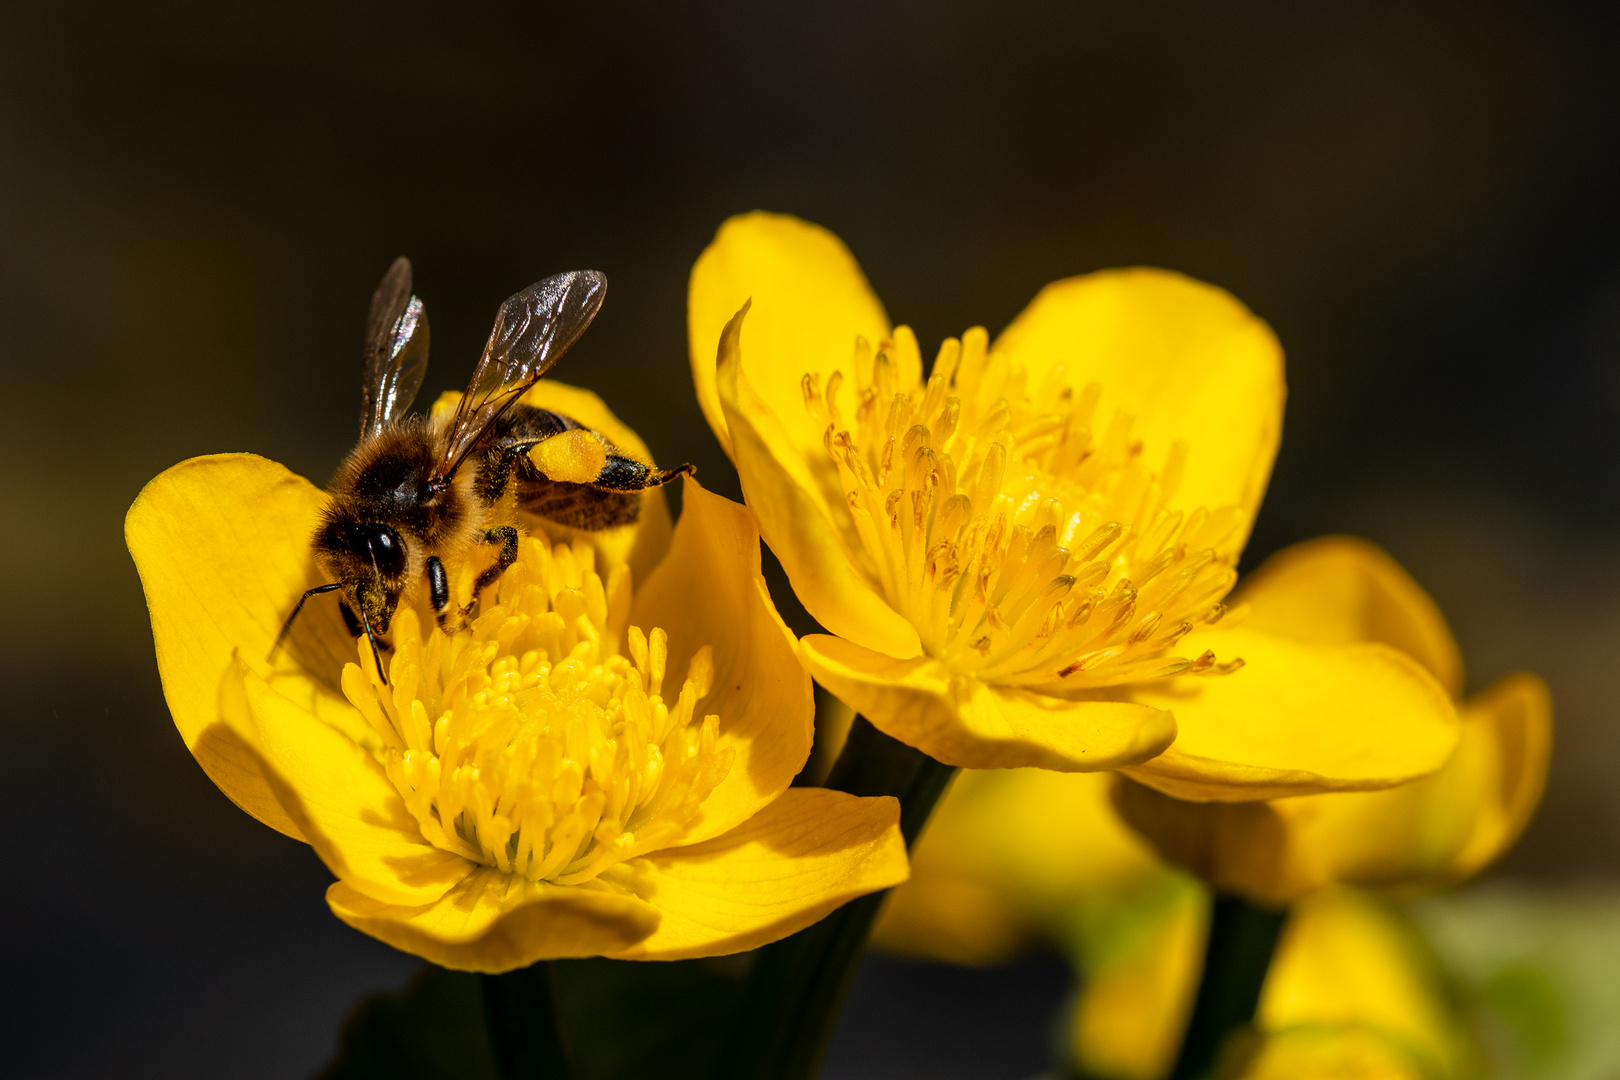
x,y
1022,559
1013,855
1432,832
1349,995
1342,985
589,770
1435,831
1138,986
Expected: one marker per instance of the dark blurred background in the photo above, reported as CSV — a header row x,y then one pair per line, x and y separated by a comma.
x,y
196,201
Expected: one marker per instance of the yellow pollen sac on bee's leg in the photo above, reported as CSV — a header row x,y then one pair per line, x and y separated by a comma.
x,y
574,457
549,740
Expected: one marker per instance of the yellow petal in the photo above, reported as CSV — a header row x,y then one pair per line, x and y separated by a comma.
x,y
790,501
810,851
952,918
1250,849
1513,719
1186,359
1437,830
1338,590
1445,827
1134,1000
810,301
709,591
494,922
1053,836
222,545
640,545
962,721
339,797
1008,853
1316,1052
1297,719
956,906
1346,961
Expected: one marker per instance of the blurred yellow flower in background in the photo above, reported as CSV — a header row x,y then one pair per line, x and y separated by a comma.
x,y
1348,994
1435,831
1351,994
591,769
1022,559
1016,855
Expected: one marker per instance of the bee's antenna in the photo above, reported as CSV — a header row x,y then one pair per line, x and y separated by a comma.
x,y
376,651
669,474
286,627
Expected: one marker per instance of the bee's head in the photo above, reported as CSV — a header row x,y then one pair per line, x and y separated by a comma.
x,y
370,561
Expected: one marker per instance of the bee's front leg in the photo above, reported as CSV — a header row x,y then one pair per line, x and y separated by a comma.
x,y
438,589
507,537
350,619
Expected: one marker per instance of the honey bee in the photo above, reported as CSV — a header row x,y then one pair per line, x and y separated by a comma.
x,y
416,493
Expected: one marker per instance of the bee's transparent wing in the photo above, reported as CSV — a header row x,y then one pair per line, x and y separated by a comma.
x,y
534,328
396,351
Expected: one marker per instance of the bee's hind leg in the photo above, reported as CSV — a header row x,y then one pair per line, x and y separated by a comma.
x,y
507,537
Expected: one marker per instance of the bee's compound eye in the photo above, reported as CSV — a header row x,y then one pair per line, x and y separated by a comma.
x,y
386,550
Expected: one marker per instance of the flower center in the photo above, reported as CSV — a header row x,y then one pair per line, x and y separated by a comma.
x,y
529,742
1027,545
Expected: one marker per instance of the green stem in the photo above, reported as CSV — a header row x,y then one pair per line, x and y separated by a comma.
x,y
1237,956
525,1031
795,987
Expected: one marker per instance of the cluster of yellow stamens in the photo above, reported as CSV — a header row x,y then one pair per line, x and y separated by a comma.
x,y
528,742
1027,545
